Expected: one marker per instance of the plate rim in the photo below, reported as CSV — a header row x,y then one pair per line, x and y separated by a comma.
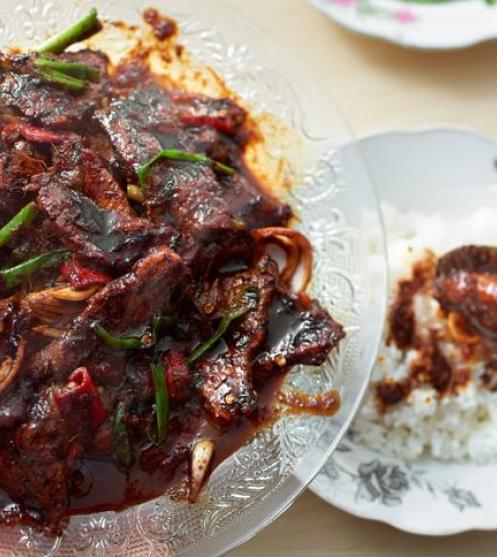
x,y
357,28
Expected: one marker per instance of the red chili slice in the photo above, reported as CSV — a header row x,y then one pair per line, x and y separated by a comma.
x,y
177,375
219,123
32,133
69,397
82,277
74,453
39,135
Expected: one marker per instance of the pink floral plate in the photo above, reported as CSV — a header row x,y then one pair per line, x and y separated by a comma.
x,y
419,24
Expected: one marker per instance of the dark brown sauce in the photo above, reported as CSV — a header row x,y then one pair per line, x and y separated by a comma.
x,y
322,404
112,489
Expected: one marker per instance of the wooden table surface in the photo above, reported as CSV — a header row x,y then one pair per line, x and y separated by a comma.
x,y
377,86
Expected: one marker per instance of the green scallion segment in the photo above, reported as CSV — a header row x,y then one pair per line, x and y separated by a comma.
x,y
175,155
223,326
73,69
147,340
122,445
23,217
66,81
77,32
14,275
157,322
126,343
161,401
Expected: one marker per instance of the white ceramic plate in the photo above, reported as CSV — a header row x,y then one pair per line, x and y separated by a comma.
x,y
446,25
451,172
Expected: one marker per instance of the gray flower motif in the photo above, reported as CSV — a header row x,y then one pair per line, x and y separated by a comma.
x,y
332,470
382,482
462,499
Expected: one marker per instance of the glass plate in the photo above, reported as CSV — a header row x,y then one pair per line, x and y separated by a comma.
x,y
337,209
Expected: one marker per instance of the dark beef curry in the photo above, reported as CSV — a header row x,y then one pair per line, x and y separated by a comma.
x,y
144,329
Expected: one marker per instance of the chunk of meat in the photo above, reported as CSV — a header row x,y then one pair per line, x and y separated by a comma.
x,y
225,383
126,304
111,238
131,122
95,170
18,165
133,146
253,206
188,195
196,111
163,27
35,98
471,258
466,283
100,185
23,90
299,332
225,380
32,459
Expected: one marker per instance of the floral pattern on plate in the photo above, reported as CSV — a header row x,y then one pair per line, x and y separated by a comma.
x,y
435,26
371,485
367,8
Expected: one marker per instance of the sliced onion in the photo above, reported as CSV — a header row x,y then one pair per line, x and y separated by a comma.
x,y
51,304
47,331
10,367
68,294
458,332
200,460
297,248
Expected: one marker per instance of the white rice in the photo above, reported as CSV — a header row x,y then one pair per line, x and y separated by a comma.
x,y
459,426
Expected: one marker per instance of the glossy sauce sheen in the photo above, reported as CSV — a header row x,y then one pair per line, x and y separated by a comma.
x,y
112,489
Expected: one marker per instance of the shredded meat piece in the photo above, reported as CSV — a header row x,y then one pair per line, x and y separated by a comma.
x,y
466,283
32,459
163,27
401,318
111,238
124,304
25,91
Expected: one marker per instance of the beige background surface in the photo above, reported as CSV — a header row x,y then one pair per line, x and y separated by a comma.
x,y
377,86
